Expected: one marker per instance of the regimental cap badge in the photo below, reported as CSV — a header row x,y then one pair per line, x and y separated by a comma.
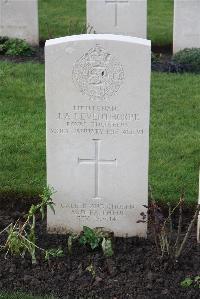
x,y
97,74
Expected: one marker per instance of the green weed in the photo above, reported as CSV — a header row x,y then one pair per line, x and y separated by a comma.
x,y
21,237
94,238
15,47
191,281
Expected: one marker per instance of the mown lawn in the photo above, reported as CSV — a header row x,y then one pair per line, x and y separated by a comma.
x,y
174,138
60,17
160,21
22,128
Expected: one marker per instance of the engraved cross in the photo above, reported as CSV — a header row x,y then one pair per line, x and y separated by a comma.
x,y
96,162
116,2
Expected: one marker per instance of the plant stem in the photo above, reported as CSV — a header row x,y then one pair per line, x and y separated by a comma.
x,y
33,244
171,213
179,226
5,228
178,253
170,224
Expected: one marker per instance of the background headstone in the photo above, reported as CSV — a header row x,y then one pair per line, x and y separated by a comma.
x,y
186,24
198,221
97,101
19,19
125,17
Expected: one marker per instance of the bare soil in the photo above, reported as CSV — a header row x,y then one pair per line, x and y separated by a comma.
x,y
135,270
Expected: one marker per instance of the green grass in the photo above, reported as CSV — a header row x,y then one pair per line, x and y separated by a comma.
x,y
174,138
22,128
160,21
55,17
21,296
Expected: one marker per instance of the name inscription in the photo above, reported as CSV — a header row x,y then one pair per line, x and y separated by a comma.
x,y
97,120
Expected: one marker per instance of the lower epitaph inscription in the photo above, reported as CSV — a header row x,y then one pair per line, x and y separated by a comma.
x,y
98,211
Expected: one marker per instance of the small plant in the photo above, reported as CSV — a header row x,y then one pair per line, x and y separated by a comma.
x,y
168,241
15,47
21,235
77,27
71,238
94,238
73,26
91,270
197,281
106,245
3,39
91,237
188,59
154,58
53,253
188,282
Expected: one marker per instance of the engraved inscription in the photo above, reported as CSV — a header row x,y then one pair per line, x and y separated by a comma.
x,y
12,27
98,74
102,120
96,162
98,211
116,2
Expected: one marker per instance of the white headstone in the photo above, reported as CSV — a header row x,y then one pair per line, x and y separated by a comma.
x,y
198,220
97,101
186,24
19,19
126,17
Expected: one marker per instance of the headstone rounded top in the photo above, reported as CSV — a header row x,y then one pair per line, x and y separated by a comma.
x,y
95,37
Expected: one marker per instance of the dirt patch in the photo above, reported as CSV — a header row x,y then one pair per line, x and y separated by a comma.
x,y
135,271
164,62
164,49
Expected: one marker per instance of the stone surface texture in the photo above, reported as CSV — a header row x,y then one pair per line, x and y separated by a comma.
x,y
186,25
125,17
97,119
19,19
